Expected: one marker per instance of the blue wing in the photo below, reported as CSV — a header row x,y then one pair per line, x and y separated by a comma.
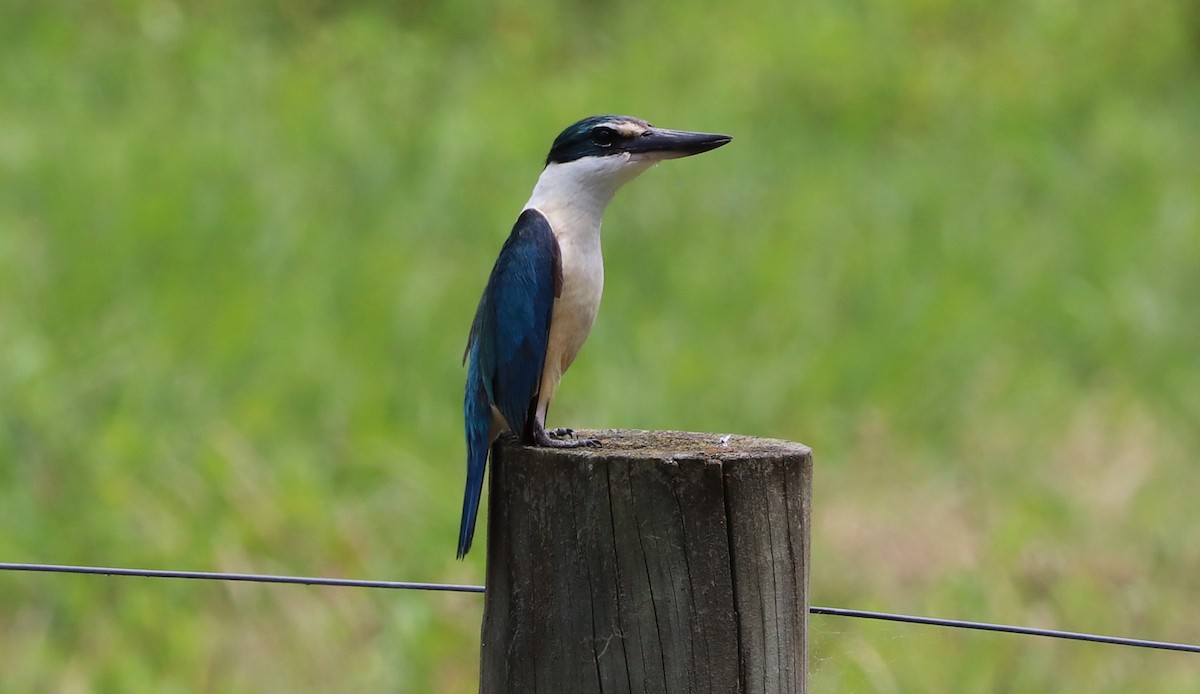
x,y
507,347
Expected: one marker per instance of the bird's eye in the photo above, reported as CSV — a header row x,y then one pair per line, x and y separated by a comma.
x,y
603,136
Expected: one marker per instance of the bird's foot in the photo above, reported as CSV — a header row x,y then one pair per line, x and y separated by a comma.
x,y
561,438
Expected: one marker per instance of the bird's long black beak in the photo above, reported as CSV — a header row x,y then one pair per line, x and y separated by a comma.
x,y
661,143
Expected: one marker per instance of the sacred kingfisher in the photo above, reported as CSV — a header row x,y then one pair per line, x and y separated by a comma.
x,y
544,291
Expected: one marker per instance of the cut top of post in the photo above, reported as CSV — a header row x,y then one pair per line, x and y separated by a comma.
x,y
680,445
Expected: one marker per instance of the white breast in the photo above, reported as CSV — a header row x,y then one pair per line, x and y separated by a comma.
x,y
573,197
576,307
583,285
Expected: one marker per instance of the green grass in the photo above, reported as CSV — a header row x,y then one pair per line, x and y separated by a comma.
x,y
953,247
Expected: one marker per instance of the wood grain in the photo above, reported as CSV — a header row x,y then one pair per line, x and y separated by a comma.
x,y
659,562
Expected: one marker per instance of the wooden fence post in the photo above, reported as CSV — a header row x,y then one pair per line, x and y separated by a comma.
x,y
659,562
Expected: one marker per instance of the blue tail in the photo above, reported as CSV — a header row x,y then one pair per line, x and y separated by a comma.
x,y
478,414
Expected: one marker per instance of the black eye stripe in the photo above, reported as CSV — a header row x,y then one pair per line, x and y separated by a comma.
x,y
595,136
603,136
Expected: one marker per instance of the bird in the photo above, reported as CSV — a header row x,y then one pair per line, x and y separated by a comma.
x,y
544,290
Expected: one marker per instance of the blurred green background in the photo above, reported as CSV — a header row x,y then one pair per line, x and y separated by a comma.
x,y
955,247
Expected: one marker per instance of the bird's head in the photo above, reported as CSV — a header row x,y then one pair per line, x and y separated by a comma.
x,y
608,151
628,138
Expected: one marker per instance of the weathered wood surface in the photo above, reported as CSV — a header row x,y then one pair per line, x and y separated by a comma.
x,y
659,562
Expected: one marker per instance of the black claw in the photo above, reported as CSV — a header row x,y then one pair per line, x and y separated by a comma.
x,y
550,439
566,443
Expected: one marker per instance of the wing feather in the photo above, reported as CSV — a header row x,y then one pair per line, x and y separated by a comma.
x,y
506,348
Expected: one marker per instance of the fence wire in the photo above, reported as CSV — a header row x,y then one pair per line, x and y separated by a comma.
x,y
252,578
459,588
